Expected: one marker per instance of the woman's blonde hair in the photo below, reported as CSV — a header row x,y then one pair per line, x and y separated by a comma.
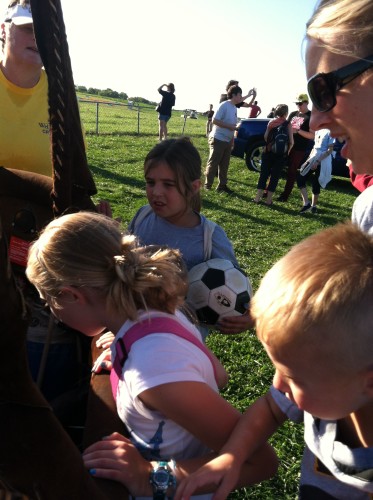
x,y
321,293
87,249
343,27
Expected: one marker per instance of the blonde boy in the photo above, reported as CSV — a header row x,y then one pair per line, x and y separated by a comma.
x,y
314,317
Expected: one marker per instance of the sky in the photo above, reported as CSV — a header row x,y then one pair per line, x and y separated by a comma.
x,y
135,46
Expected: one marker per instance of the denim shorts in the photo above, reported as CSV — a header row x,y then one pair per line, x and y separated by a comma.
x,y
164,118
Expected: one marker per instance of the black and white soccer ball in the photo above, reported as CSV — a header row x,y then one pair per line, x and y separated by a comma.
x,y
217,288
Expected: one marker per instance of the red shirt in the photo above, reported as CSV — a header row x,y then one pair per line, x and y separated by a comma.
x,y
360,181
255,110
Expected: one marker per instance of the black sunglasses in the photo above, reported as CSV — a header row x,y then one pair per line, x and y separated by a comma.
x,y
323,87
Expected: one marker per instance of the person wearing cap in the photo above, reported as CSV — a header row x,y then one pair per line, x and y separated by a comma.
x,y
24,119
303,142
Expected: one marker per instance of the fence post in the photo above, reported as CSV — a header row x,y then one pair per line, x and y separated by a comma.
x,y
185,117
138,119
97,118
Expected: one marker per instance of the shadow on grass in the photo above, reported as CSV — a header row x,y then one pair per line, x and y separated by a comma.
x,y
123,133
254,216
118,178
325,218
343,185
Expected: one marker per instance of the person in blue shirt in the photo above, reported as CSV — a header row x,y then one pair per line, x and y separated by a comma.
x,y
172,173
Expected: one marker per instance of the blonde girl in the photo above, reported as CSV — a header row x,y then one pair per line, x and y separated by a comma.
x,y
95,278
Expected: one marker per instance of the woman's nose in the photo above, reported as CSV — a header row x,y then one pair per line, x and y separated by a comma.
x,y
319,120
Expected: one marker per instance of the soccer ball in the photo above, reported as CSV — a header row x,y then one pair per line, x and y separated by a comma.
x,y
217,288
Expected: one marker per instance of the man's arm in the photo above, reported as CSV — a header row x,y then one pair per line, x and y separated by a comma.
x,y
252,93
304,133
223,124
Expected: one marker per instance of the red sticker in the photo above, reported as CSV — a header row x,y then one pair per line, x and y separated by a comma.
x,y
18,251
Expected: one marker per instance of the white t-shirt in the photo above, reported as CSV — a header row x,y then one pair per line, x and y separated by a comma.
x,y
362,210
226,112
156,359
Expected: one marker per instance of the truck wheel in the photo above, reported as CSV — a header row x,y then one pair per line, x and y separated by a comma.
x,y
253,156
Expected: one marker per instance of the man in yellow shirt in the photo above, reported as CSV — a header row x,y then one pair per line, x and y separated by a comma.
x,y
24,120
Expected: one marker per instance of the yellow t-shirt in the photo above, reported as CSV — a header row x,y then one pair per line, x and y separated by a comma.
x,y
24,127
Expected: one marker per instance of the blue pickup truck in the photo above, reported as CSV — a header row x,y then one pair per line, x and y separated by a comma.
x,y
249,143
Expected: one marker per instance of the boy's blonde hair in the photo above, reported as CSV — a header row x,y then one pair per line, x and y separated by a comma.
x,y
87,249
343,26
321,294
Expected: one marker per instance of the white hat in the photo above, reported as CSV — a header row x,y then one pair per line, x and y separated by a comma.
x,y
19,15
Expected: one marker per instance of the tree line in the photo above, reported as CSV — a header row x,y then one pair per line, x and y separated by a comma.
x,y
113,94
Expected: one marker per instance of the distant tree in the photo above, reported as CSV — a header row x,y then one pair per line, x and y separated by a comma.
x,y
141,99
109,93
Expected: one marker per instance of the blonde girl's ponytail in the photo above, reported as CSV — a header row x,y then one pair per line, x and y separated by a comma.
x,y
149,277
89,250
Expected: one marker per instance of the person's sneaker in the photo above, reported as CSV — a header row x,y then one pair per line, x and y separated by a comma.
x,y
314,209
305,208
224,189
281,198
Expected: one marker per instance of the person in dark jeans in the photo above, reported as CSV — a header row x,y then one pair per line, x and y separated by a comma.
x,y
303,142
272,164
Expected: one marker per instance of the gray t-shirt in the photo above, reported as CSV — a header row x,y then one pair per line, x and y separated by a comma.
x,y
330,469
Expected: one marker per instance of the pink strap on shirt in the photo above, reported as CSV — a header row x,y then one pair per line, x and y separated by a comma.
x,y
142,329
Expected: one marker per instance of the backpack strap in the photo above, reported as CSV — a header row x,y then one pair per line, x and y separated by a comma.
x,y
142,329
142,214
209,228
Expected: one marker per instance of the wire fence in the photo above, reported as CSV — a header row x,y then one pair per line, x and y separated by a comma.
x,y
112,118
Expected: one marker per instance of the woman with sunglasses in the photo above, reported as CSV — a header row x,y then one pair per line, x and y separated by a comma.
x,y
338,62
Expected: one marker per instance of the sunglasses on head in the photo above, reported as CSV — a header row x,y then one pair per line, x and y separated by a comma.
x,y
299,103
323,87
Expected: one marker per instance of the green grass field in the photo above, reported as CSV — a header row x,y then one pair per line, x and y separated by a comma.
x,y
260,236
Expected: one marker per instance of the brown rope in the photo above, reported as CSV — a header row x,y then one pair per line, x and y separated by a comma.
x,y
72,180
